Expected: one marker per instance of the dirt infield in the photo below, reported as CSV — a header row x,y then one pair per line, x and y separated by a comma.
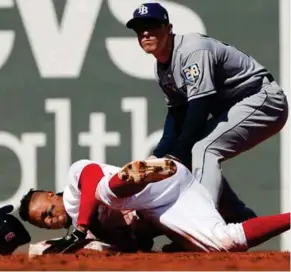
x,y
150,261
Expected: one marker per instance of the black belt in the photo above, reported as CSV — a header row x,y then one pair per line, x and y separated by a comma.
x,y
270,78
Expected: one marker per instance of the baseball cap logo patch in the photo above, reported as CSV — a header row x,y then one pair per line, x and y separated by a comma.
x,y
9,236
143,10
149,11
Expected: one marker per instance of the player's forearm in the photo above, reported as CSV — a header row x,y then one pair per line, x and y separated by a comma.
x,y
89,179
172,129
196,117
169,134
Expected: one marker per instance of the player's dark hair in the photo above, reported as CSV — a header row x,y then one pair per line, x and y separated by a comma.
x,y
24,204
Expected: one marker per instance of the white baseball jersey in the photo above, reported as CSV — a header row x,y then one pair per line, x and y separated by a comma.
x,y
72,194
183,209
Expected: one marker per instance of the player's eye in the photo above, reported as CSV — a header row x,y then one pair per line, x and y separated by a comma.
x,y
151,25
50,211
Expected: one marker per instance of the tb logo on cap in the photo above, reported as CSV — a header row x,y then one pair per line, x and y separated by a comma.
x,y
143,10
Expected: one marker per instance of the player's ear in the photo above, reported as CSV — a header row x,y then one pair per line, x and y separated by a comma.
x,y
170,28
51,194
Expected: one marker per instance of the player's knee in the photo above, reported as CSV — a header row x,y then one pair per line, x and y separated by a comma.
x,y
229,237
199,149
204,148
204,155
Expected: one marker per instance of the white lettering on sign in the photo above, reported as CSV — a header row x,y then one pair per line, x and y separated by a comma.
x,y
59,49
25,149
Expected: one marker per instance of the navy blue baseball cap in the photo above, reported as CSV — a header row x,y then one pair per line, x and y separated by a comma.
x,y
146,12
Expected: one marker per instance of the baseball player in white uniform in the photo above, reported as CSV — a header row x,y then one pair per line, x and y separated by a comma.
x,y
165,193
123,230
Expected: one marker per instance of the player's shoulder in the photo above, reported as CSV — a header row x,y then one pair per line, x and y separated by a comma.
x,y
192,42
74,173
78,166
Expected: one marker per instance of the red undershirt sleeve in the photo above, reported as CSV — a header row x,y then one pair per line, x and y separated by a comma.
x,y
88,181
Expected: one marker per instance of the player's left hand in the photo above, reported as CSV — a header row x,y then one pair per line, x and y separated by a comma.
x,y
171,157
67,244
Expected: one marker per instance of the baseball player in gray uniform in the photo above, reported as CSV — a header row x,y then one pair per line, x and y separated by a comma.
x,y
202,77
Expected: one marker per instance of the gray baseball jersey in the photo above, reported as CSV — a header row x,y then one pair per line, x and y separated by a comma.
x,y
202,66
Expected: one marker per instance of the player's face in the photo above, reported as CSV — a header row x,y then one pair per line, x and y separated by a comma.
x,y
153,37
46,210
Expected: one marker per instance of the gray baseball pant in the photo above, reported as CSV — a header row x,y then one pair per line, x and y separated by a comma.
x,y
246,124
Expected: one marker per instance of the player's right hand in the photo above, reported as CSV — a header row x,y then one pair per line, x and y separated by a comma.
x,y
67,244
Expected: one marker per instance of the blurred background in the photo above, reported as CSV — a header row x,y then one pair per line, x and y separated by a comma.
x,y
75,84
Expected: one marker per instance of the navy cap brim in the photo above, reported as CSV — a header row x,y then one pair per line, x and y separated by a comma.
x,y
134,22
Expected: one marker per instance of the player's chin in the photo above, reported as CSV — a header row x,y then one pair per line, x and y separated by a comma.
x,y
149,49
